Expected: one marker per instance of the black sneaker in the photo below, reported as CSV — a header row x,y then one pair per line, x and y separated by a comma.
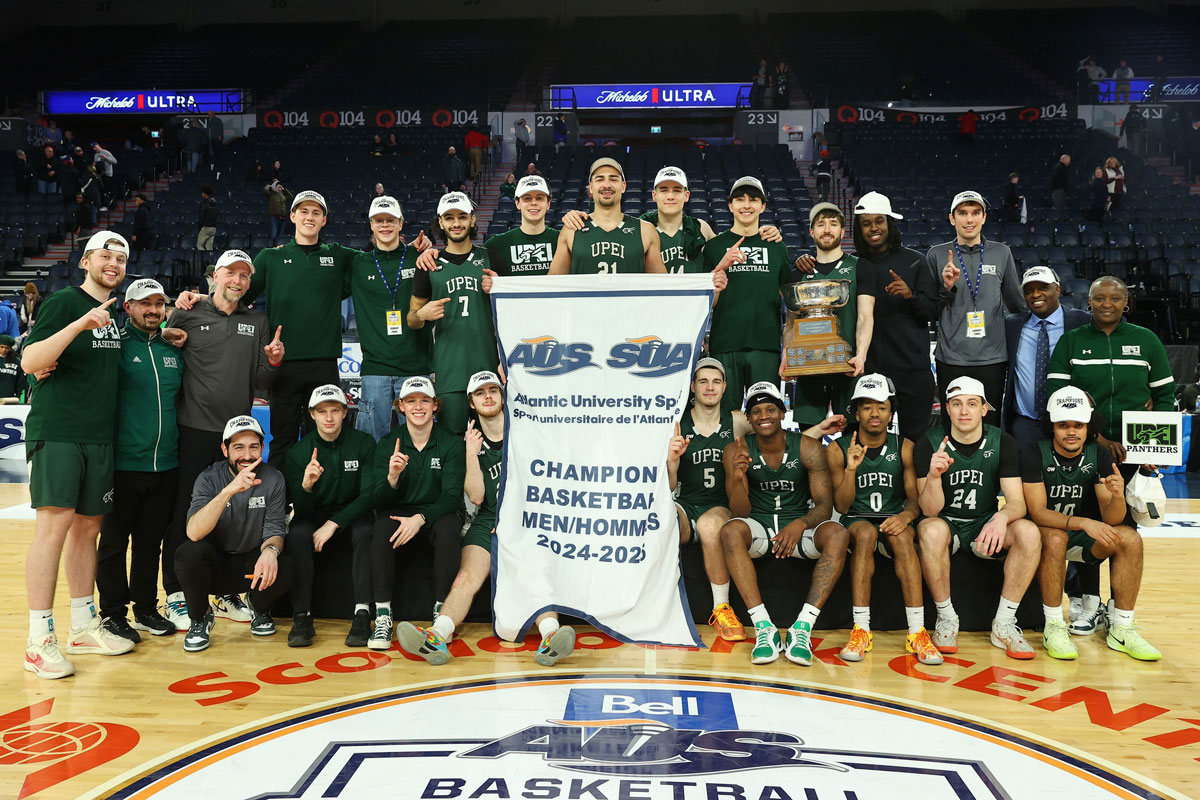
x,y
301,634
262,624
197,637
119,626
360,629
150,620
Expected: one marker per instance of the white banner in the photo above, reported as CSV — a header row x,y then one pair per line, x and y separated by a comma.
x,y
12,431
1152,437
598,372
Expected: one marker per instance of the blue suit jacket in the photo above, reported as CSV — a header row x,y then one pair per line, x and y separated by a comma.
x,y
1072,318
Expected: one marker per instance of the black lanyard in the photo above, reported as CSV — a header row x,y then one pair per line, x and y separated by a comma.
x,y
390,289
978,275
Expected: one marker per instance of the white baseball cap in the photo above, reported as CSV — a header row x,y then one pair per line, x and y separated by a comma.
x,y
384,204
238,424
481,379
873,386
708,362
455,201
312,197
764,392
876,203
748,180
235,257
143,288
606,162
967,197
327,393
107,240
1069,404
671,174
417,385
965,385
1040,274
532,183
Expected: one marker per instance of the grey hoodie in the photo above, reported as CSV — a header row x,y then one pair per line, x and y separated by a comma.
x,y
999,287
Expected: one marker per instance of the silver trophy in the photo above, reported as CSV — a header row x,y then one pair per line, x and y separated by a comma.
x,y
811,344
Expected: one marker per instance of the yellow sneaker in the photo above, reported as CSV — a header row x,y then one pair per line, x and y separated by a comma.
x,y
725,622
920,645
859,645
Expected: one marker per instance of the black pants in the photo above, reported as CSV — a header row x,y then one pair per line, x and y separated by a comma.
x,y
992,376
143,503
197,450
294,383
299,546
914,401
1026,430
203,570
823,182
445,533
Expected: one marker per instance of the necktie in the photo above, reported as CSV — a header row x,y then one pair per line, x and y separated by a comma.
x,y
1040,362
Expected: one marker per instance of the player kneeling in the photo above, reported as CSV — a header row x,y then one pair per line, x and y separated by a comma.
x,y
485,449
875,488
778,486
1076,496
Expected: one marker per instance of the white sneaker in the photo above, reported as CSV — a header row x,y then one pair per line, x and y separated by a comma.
x,y
44,659
1076,609
176,611
97,639
233,607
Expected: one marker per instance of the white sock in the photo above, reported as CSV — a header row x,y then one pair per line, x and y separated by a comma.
x,y
759,614
1006,612
1121,617
547,627
720,593
915,617
383,608
808,614
361,607
1053,614
41,623
443,626
1091,602
83,611
945,610
862,616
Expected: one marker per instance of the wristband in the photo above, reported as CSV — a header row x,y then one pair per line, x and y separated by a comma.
x,y
271,547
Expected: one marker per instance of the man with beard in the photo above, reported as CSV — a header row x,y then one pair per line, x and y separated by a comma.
x,y
484,458
236,526
464,341
229,353
75,353
146,479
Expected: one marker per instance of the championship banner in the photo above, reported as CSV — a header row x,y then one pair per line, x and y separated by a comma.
x,y
598,370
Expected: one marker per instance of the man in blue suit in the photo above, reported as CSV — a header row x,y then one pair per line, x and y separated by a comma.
x,y
1031,337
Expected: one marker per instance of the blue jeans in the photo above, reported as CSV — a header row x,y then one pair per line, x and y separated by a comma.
x,y
193,161
379,393
47,187
276,227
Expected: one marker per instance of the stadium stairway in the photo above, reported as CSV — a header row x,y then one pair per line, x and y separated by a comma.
x,y
841,194
486,196
1176,172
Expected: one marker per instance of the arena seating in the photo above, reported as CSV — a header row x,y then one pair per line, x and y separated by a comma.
x,y
636,52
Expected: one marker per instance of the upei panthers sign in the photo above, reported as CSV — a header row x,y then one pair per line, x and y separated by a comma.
x,y
1152,437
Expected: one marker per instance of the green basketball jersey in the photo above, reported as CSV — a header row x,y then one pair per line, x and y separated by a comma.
x,y
1069,488
490,457
783,491
620,250
464,341
972,483
518,253
844,270
878,481
747,314
701,473
675,256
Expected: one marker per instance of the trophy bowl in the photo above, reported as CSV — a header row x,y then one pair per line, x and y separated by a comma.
x,y
811,296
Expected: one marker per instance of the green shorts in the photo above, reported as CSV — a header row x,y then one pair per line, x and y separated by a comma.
x,y
743,369
693,512
70,475
963,532
816,394
480,532
1079,548
453,413
765,527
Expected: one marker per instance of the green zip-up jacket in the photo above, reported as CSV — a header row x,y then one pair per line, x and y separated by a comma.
x,y
1121,371
431,483
346,489
303,293
150,374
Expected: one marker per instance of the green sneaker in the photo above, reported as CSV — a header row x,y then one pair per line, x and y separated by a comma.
x,y
799,643
1126,639
767,644
1057,640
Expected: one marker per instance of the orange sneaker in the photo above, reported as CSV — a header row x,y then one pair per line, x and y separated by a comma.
x,y
920,645
725,622
859,645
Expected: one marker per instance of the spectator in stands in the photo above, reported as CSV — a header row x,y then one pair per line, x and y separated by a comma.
x,y
207,219
523,136
47,171
81,159
52,135
12,379
1133,127
68,179
140,140
195,143
379,191
758,91
216,135
69,144
394,148
257,173
93,190
103,159
1097,196
1114,173
508,189
1160,78
1014,199
30,305
968,124
24,174
559,127
1089,73
144,236
476,143
823,169
376,147
78,216
783,85
531,169
10,323
1060,181
277,173
1123,74
453,172
279,201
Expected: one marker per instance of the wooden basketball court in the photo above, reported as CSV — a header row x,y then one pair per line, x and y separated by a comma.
x,y
139,725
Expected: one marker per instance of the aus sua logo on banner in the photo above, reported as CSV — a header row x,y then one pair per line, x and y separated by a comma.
x,y
643,356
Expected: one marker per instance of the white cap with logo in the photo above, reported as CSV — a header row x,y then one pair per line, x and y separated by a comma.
x,y
532,183
764,392
876,203
456,201
237,425
481,379
873,386
310,196
1039,274
1069,404
671,174
967,197
235,257
143,288
965,385
744,182
417,385
107,240
325,394
385,204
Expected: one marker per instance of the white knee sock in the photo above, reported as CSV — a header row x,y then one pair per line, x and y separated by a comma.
x,y
720,593
83,610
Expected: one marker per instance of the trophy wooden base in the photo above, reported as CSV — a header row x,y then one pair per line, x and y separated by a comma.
x,y
811,346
